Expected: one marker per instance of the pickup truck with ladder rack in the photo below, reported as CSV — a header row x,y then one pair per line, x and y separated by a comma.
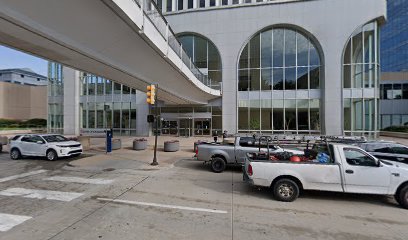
x,y
346,168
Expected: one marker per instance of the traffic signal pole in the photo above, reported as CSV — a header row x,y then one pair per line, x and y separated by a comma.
x,y
152,99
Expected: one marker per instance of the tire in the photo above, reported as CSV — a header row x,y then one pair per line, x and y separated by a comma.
x,y
218,165
15,154
51,155
402,197
286,190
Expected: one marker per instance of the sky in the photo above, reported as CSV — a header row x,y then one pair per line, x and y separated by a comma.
x,y
10,58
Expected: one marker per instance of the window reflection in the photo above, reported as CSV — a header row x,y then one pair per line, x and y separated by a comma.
x,y
204,55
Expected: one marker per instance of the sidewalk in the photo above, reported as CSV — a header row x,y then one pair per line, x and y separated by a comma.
x,y
128,158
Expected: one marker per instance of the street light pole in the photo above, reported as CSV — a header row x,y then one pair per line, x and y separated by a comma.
x,y
155,163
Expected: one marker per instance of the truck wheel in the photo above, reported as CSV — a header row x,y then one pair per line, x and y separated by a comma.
x,y
218,165
286,190
402,197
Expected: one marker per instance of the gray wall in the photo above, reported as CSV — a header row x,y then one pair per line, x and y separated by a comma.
x,y
331,22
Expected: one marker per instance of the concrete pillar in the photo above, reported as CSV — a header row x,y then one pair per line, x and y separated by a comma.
x,y
207,3
332,99
142,110
71,100
217,2
185,4
174,5
164,6
195,3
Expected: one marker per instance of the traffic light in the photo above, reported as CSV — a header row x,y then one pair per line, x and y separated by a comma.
x,y
151,94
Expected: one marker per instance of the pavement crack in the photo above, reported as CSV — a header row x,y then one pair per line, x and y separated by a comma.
x,y
97,209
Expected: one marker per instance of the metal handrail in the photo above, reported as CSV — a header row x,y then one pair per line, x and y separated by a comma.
x,y
151,9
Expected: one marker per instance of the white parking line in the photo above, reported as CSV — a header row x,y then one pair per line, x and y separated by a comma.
x,y
161,205
8,221
79,180
41,194
21,175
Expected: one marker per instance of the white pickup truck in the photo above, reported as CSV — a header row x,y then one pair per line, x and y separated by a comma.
x,y
350,170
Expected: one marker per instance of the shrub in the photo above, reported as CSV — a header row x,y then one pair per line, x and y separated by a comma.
x,y
31,123
396,129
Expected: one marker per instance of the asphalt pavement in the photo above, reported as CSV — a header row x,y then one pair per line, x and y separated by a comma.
x,y
184,200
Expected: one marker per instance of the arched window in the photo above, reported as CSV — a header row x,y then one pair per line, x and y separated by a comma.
x,y
273,61
279,59
204,54
361,71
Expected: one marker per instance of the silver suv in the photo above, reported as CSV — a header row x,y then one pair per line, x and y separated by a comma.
x,y
51,146
387,151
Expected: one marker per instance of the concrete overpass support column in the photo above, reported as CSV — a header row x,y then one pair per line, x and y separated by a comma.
x,y
71,101
142,110
164,6
229,101
332,97
185,4
174,5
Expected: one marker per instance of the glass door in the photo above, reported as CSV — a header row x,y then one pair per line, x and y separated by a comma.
x,y
202,127
185,128
169,127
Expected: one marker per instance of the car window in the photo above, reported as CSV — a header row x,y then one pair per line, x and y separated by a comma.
x,y
26,139
357,158
247,142
55,138
400,150
15,137
36,139
382,149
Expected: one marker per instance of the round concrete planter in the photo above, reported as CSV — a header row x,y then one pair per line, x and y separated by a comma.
x,y
139,144
116,144
171,146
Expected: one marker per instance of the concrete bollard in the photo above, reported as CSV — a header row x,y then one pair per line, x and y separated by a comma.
x,y
139,144
171,146
116,143
85,142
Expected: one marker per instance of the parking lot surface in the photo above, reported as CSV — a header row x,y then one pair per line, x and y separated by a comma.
x,y
53,200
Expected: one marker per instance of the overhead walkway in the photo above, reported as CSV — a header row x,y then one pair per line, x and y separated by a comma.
x,y
127,41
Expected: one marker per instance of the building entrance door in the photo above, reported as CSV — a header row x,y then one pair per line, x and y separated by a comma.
x,y
169,127
202,127
186,127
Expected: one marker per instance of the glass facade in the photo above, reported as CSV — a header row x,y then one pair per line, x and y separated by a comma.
x,y
204,55
361,81
279,76
106,104
55,98
103,103
191,120
394,37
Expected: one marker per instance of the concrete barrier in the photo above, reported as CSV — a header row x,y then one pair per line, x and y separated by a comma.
x,y
394,134
85,142
3,140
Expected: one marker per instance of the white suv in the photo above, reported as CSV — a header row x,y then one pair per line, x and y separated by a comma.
x,y
51,146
